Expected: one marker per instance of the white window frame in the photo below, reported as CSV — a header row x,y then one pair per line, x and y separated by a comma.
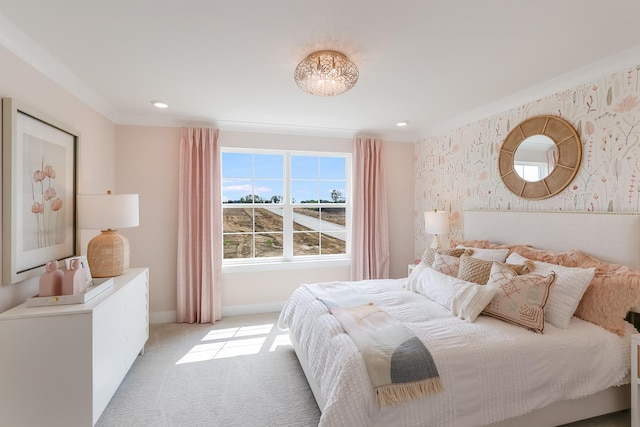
x,y
543,168
288,259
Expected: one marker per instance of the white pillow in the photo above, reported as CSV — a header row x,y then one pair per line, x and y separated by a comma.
x,y
499,255
471,299
437,286
565,293
466,300
414,277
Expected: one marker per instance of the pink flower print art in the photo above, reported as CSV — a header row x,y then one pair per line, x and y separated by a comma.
x,y
42,192
45,228
37,208
49,193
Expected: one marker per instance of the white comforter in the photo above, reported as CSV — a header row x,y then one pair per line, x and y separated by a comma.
x,y
491,370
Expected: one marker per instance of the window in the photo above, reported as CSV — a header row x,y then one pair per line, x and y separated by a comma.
x,y
284,205
531,171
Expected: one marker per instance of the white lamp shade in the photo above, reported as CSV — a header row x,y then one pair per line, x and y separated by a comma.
x,y
436,222
108,211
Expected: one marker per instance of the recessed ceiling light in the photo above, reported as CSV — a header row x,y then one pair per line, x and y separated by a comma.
x,y
402,124
160,104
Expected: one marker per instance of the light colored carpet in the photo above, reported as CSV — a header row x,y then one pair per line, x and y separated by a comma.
x,y
240,372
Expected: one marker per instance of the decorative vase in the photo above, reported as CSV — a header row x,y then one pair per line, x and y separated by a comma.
x,y
51,280
75,280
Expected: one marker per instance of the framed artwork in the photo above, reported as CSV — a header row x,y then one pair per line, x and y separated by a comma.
x,y
38,191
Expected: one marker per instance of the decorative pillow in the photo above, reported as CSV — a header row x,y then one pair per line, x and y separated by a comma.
x,y
499,255
558,258
525,250
571,283
484,244
446,264
470,299
477,270
613,291
465,300
519,299
436,286
429,254
414,277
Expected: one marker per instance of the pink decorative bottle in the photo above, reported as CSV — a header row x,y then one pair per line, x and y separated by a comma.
x,y
51,280
75,281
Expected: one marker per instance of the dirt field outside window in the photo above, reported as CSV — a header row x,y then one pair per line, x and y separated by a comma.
x,y
269,237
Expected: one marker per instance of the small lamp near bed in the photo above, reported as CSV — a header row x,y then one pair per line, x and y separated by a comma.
x,y
437,223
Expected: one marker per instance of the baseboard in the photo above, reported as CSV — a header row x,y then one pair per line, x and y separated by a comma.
x,y
241,310
230,310
162,317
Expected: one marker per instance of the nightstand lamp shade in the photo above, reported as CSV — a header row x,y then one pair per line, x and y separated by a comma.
x,y
437,223
108,252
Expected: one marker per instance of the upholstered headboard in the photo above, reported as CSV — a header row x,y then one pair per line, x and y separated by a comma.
x,y
612,237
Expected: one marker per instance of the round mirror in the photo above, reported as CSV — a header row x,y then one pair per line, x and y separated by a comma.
x,y
557,162
535,158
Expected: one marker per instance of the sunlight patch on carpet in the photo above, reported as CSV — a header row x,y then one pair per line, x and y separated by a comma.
x,y
234,342
223,349
281,340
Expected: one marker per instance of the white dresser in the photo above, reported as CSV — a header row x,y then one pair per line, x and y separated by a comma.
x,y
60,366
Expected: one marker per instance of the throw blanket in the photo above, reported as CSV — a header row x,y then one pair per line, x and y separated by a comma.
x,y
399,366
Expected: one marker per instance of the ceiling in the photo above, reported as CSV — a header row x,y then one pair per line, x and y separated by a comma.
x,y
436,64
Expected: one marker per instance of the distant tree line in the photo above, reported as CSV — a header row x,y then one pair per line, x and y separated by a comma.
x,y
336,197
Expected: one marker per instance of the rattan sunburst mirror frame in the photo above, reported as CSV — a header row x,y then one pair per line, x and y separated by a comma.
x,y
569,147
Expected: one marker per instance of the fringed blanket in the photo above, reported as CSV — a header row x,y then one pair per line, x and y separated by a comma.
x,y
399,366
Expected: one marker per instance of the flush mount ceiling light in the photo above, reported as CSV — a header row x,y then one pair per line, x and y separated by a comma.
x,y
401,124
326,73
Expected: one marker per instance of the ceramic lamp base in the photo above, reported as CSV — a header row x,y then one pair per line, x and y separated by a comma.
x,y
108,254
436,243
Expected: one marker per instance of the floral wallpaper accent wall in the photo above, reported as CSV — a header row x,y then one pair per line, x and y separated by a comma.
x,y
459,170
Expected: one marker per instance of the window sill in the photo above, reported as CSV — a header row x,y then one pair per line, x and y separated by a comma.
x,y
285,265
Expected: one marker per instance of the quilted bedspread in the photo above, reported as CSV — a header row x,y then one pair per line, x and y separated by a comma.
x,y
490,370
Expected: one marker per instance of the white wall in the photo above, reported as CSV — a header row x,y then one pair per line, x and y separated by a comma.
x,y
147,164
399,164
96,154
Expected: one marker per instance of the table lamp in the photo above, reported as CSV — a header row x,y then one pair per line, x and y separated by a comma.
x,y
437,223
108,252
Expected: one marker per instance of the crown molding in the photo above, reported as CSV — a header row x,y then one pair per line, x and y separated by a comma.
x,y
609,65
18,43
268,128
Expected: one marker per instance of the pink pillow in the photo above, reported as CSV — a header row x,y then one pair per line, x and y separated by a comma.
x,y
613,291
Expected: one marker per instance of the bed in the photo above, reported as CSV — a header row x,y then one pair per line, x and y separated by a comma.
x,y
517,385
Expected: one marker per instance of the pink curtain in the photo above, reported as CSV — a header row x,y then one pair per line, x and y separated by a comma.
x,y
370,230
199,227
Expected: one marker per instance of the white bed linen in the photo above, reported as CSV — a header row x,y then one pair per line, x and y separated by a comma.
x,y
491,370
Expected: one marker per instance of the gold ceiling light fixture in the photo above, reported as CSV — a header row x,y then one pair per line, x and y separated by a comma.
x,y
326,73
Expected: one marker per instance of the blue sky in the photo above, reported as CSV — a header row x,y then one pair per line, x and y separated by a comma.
x,y
312,177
